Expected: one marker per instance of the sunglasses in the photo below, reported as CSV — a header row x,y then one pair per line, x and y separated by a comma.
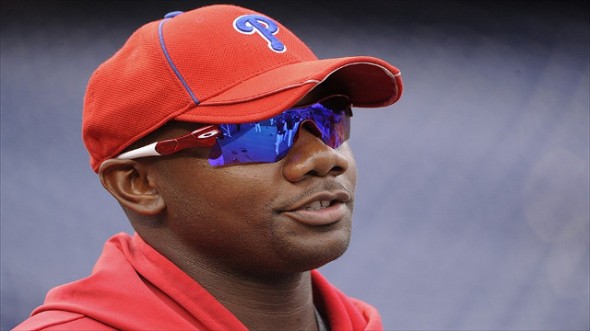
x,y
265,141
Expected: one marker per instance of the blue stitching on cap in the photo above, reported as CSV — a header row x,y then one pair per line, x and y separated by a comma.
x,y
173,14
184,83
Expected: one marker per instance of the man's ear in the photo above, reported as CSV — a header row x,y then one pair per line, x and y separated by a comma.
x,y
129,182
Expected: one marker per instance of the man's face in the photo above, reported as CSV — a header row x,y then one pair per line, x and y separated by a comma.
x,y
288,216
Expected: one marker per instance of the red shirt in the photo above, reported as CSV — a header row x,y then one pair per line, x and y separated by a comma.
x,y
133,287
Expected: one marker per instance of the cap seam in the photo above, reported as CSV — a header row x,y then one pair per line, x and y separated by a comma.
x,y
307,80
261,95
170,63
227,116
244,78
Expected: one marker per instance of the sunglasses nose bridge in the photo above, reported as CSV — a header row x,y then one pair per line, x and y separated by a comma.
x,y
310,126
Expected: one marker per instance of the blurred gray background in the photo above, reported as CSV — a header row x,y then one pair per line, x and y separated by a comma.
x,y
472,207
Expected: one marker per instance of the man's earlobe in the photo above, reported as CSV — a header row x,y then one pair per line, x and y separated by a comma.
x,y
128,181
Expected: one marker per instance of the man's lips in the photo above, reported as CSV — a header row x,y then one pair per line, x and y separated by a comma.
x,y
322,208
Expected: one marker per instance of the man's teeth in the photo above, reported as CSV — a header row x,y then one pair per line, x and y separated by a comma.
x,y
318,205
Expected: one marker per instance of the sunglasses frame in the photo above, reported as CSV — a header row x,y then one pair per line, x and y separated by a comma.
x,y
205,136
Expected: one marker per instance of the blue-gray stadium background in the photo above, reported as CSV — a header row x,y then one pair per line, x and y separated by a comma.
x,y
472,207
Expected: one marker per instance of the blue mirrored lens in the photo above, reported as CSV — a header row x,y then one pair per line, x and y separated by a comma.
x,y
269,140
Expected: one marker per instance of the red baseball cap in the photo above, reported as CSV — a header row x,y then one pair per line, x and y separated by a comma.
x,y
215,64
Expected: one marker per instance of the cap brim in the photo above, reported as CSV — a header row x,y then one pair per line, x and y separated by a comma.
x,y
368,81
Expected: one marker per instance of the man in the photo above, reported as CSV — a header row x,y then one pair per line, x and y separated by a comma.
x,y
230,223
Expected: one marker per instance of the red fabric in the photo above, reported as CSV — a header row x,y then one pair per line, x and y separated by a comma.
x,y
130,289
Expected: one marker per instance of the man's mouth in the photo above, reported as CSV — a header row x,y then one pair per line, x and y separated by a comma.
x,y
317,205
323,208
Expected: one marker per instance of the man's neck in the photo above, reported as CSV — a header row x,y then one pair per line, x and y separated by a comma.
x,y
260,302
284,303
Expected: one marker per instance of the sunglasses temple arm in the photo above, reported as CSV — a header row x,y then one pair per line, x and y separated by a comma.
x,y
202,137
148,150
168,147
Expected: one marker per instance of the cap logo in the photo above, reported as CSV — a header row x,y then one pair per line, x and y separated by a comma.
x,y
264,26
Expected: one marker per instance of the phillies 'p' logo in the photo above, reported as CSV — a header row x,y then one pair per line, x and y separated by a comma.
x,y
265,27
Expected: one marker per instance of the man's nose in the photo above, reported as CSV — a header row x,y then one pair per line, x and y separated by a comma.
x,y
310,156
